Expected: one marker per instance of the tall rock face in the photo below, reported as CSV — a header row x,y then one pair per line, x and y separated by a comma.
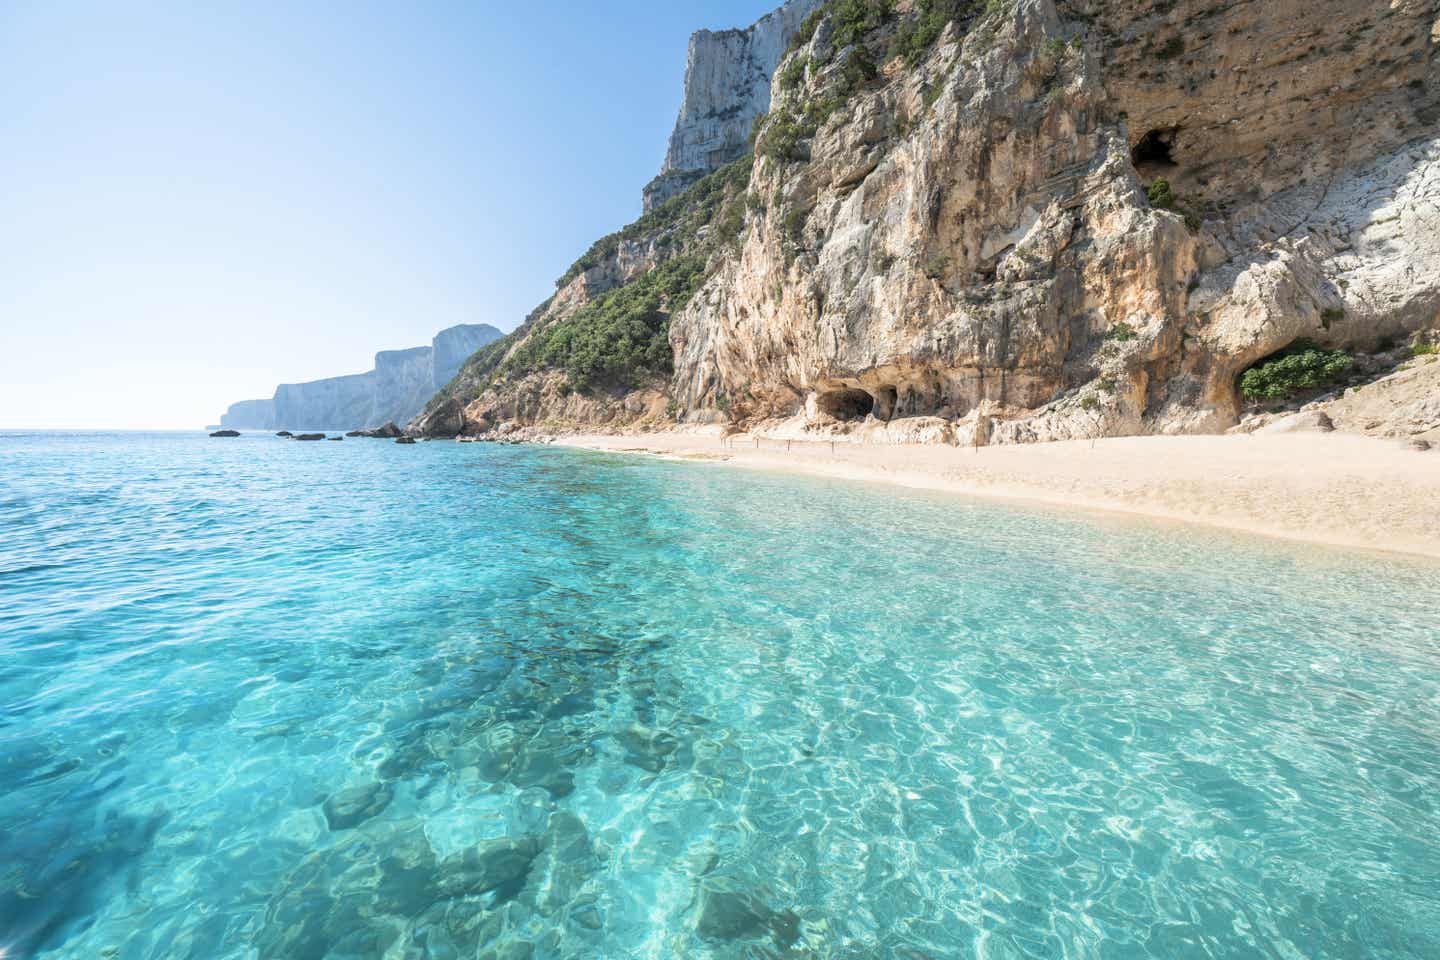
x,y
395,390
1022,220
969,238
727,85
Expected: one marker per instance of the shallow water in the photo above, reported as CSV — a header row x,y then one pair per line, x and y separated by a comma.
x,y
279,700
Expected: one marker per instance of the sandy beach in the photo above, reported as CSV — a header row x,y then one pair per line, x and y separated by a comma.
x,y
1335,489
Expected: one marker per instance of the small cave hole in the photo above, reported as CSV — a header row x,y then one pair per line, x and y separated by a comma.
x,y
846,404
1153,150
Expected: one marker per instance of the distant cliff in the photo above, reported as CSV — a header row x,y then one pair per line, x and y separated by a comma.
x,y
395,390
727,85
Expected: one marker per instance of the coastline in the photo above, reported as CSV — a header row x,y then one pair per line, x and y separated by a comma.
x,y
1336,490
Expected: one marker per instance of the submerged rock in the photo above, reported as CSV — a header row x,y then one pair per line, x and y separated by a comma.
x,y
336,438
729,914
354,805
493,865
647,748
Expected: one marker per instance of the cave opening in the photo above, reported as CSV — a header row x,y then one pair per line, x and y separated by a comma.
x,y
845,404
1154,149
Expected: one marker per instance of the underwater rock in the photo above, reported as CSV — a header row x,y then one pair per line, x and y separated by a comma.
x,y
567,862
727,914
648,748
354,805
493,865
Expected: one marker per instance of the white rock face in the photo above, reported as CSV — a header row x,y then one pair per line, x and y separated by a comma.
x,y
959,247
971,238
727,85
395,390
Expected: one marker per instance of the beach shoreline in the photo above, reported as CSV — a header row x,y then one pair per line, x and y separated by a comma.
x,y
1336,490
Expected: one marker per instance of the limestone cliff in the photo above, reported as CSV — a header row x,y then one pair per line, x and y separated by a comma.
x,y
395,390
727,85
1021,220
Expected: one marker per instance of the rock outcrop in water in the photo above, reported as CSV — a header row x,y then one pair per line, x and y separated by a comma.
x,y
1013,221
396,389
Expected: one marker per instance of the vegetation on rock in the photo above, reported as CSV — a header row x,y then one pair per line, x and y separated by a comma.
x,y
1301,366
1161,195
621,337
617,337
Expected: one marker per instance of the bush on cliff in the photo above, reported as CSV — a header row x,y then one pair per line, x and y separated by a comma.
x,y
680,217
1301,366
1161,195
620,335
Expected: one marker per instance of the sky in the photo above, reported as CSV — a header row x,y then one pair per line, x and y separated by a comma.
x,y
201,201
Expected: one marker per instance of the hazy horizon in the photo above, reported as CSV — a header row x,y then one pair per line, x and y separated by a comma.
x,y
196,206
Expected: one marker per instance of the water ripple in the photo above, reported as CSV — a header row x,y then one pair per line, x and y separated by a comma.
x,y
271,700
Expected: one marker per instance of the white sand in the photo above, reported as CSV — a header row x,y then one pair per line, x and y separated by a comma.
x,y
1336,489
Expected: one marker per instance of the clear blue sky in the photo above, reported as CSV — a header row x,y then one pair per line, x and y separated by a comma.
x,y
200,201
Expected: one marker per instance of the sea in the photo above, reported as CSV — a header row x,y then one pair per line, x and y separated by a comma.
x,y
268,699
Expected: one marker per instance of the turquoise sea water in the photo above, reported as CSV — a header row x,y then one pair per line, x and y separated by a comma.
x,y
276,700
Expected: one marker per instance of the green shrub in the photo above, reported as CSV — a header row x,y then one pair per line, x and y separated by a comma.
x,y
1301,366
855,18
807,29
858,70
1122,332
793,73
936,266
932,17
756,126
1171,48
618,335
782,137
1331,316
1160,195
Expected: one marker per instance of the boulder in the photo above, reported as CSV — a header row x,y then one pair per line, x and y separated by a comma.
x,y
404,439
354,805
284,433
335,438
1312,421
226,433
309,436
